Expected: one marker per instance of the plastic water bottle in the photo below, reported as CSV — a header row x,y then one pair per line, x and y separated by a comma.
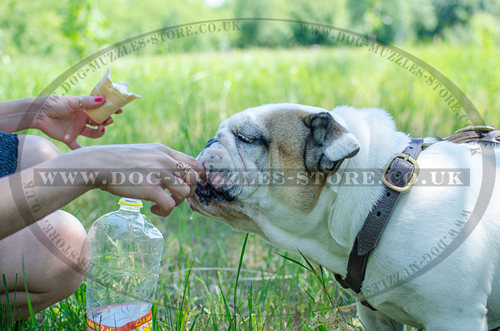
x,y
123,268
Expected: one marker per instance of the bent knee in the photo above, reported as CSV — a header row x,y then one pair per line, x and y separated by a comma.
x,y
68,263
53,251
68,236
66,266
47,256
33,150
66,224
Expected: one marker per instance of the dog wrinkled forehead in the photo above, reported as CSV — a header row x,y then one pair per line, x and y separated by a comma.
x,y
269,110
291,136
283,117
283,124
294,126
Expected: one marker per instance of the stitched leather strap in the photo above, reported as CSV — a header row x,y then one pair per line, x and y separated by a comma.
x,y
475,135
398,173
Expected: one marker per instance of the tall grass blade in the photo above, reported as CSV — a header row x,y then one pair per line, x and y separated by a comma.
x,y
227,310
185,293
30,307
235,293
294,261
10,316
250,307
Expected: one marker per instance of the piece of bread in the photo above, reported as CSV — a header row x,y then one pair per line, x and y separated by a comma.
x,y
116,94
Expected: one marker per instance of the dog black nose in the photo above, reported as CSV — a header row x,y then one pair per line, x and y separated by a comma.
x,y
211,141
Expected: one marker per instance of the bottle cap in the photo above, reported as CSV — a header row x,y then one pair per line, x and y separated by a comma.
x,y
130,202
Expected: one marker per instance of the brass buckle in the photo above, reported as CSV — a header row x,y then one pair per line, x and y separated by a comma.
x,y
487,128
412,179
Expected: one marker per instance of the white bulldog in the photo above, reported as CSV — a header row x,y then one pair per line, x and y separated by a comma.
x,y
436,265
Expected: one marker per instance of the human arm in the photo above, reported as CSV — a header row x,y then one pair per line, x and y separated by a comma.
x,y
26,198
58,116
18,114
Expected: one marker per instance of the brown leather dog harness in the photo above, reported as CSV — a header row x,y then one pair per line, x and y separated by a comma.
x,y
399,176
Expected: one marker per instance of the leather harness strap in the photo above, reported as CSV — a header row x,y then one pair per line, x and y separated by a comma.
x,y
399,173
475,133
398,177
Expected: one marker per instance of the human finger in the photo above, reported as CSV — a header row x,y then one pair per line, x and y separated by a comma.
x,y
89,102
188,175
192,162
164,203
91,122
73,144
93,132
178,188
191,179
108,121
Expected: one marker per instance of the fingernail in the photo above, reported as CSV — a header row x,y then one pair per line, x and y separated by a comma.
x,y
99,99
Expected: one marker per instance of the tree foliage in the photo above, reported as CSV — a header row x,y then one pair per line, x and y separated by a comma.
x,y
74,28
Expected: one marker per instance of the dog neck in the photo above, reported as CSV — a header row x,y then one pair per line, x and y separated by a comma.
x,y
354,195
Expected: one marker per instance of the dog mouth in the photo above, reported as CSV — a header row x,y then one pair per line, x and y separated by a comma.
x,y
206,192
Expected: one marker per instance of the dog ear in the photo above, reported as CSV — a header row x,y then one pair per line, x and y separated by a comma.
x,y
328,143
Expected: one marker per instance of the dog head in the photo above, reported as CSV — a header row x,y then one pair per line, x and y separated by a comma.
x,y
269,162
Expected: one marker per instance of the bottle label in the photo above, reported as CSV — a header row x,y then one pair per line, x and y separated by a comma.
x,y
140,324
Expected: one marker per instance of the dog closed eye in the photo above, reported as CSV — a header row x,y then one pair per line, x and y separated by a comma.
x,y
245,139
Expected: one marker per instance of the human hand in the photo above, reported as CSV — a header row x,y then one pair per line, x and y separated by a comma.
x,y
62,118
144,171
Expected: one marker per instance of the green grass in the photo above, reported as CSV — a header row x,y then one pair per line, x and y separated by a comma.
x,y
212,277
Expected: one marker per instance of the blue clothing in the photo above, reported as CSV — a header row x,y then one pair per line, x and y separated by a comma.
x,y
8,153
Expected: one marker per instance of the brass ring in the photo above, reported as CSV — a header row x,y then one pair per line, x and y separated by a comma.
x,y
80,102
183,167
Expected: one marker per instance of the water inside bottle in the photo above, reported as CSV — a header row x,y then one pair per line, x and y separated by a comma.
x,y
120,314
